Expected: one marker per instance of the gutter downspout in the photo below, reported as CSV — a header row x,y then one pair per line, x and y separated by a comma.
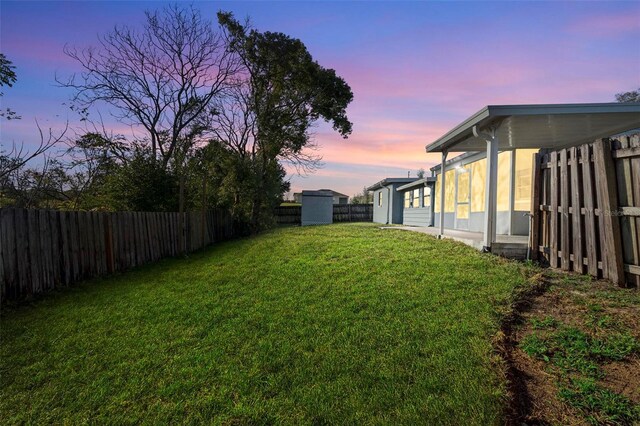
x,y
388,203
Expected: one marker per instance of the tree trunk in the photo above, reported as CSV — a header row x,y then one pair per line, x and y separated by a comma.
x,y
204,207
181,224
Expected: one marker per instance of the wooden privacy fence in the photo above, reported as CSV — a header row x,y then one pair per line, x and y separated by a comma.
x,y
586,209
41,250
353,212
288,215
341,213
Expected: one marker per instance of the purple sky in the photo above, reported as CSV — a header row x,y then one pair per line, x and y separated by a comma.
x,y
416,68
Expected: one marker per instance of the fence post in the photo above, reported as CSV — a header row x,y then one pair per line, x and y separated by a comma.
x,y
589,211
108,242
565,242
608,203
576,204
553,211
534,240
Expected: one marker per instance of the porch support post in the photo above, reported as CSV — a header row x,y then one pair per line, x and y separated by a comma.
x,y
442,174
491,187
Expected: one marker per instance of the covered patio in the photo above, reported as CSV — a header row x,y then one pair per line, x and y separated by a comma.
x,y
509,127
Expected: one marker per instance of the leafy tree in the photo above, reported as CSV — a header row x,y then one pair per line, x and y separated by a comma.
x,y
420,173
7,78
141,184
632,96
364,197
282,93
7,74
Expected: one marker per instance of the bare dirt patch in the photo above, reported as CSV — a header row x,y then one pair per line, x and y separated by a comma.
x,y
572,352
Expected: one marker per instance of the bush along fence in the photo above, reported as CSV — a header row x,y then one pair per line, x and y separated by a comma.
x,y
41,250
291,215
586,209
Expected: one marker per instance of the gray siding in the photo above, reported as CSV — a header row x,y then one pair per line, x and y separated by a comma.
x,y
316,209
420,216
475,223
380,214
392,205
520,223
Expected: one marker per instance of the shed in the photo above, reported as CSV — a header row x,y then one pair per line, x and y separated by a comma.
x,y
387,202
317,208
418,202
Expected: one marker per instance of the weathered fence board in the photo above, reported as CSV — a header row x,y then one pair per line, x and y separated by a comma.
x,y
587,205
45,249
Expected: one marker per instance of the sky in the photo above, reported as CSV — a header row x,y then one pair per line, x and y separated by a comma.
x,y
416,69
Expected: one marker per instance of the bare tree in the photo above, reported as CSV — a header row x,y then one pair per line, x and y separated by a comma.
x,y
16,157
162,77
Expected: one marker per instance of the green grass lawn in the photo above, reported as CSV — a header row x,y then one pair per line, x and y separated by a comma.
x,y
340,324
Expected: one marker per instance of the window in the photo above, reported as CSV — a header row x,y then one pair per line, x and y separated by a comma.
x,y
407,199
462,207
463,185
522,184
416,198
436,207
462,211
478,184
504,176
380,199
449,191
426,197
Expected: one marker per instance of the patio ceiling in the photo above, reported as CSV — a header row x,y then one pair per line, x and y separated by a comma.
x,y
540,126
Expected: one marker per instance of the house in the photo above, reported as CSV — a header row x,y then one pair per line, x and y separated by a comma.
x,y
418,202
487,190
338,198
388,203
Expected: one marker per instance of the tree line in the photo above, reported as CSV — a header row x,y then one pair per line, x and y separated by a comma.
x,y
218,110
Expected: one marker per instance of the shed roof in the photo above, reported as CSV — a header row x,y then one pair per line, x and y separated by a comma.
x,y
389,181
541,126
335,193
417,184
320,193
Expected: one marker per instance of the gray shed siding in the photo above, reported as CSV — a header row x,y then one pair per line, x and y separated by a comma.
x,y
317,208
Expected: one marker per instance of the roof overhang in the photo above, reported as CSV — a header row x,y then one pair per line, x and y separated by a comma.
x,y
389,181
417,184
540,126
